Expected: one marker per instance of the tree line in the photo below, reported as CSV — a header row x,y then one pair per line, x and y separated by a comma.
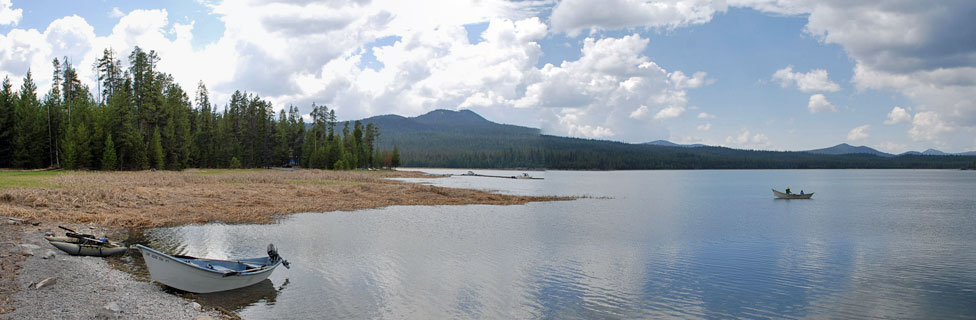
x,y
561,153
139,118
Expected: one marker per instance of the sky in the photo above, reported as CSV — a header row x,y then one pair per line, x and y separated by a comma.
x,y
894,75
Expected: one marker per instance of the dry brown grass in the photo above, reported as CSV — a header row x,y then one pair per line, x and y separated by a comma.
x,y
166,198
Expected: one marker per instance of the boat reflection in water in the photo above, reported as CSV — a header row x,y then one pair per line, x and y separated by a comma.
x,y
263,292
238,299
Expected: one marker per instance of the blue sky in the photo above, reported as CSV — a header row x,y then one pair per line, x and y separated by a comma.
x,y
759,74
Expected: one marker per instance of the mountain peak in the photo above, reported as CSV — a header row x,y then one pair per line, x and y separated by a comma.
x,y
666,143
442,116
845,148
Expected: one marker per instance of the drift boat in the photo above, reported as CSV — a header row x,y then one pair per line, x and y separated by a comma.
x,y
780,195
200,275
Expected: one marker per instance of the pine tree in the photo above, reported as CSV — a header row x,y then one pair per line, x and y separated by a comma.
x,y
395,158
80,141
7,117
157,158
108,156
28,151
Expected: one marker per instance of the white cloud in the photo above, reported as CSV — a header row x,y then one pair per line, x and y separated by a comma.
x,y
574,16
706,115
116,13
919,49
8,15
859,133
787,7
892,147
746,139
898,115
639,113
669,112
928,126
681,81
818,103
612,85
705,127
813,81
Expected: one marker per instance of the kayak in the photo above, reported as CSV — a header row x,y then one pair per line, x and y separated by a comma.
x,y
201,275
780,195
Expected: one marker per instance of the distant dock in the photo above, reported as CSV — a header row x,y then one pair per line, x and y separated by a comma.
x,y
524,176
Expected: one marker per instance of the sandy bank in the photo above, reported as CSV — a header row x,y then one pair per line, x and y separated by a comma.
x,y
79,287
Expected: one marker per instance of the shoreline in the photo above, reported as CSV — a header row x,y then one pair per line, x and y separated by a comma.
x,y
147,199
111,202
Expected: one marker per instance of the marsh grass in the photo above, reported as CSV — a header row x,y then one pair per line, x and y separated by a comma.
x,y
166,198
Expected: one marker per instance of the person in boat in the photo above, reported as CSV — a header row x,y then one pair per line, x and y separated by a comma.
x,y
801,192
787,190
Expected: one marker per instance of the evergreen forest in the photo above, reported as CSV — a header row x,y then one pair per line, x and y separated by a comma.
x,y
139,118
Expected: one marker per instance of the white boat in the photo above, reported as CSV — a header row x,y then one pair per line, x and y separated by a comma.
x,y
780,195
200,275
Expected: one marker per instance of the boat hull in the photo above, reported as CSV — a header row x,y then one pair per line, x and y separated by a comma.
x,y
78,249
186,274
780,195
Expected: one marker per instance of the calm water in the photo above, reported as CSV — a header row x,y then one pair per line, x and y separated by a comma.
x,y
647,244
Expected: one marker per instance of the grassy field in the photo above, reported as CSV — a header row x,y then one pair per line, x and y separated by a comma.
x,y
166,198
27,179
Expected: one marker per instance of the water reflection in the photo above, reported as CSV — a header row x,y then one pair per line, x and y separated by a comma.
x,y
701,244
237,299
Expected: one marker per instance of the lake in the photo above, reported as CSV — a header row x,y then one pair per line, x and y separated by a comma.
x,y
640,244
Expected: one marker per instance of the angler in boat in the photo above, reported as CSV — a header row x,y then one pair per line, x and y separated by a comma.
x,y
790,195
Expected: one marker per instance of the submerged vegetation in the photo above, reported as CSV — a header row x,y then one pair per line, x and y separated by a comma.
x,y
140,118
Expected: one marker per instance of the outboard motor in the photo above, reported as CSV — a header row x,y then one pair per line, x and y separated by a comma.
x,y
273,255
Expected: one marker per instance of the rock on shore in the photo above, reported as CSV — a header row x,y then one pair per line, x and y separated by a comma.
x,y
70,287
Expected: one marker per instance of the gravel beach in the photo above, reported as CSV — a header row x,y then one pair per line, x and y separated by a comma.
x,y
81,287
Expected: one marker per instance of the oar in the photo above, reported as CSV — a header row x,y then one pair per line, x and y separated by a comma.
x,y
232,273
87,237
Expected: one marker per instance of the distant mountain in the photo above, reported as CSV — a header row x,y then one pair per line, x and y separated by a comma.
x,y
844,148
934,152
665,143
464,139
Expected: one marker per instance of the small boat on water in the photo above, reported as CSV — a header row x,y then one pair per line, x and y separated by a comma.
x,y
780,195
78,244
200,275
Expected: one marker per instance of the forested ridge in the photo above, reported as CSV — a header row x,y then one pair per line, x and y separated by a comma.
x,y
139,118
438,139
